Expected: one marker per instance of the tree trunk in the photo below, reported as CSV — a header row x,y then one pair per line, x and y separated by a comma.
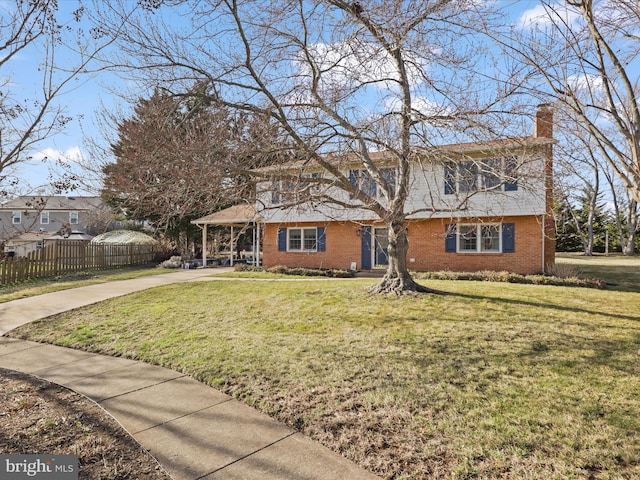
x,y
397,278
629,249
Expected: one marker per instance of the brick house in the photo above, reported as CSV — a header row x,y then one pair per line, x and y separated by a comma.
x,y
479,206
27,222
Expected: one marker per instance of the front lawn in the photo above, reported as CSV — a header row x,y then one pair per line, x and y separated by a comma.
x,y
491,381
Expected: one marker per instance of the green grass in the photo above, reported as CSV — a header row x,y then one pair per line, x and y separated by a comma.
x,y
621,273
490,381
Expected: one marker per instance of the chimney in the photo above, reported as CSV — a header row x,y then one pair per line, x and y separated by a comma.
x,y
543,125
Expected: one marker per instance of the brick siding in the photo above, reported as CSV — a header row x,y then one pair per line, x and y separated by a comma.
x,y
426,248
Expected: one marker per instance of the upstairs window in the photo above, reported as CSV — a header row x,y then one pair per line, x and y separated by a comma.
x,y
16,218
44,218
468,176
288,191
363,181
73,218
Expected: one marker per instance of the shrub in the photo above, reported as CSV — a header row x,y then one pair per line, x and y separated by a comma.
x,y
311,272
173,262
508,277
245,267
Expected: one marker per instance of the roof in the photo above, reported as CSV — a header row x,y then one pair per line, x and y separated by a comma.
x,y
124,236
75,235
469,148
236,215
30,237
34,202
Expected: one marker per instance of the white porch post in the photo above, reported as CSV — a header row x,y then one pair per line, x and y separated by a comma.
x,y
204,246
232,248
258,243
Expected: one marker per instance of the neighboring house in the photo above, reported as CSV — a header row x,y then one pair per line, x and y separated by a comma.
x,y
26,222
486,206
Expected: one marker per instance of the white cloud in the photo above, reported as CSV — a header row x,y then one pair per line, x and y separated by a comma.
x,y
347,64
423,106
71,155
586,83
541,15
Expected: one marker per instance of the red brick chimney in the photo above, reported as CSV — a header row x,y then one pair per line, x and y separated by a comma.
x,y
543,125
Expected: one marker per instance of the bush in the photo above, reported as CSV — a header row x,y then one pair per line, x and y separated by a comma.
x,y
173,262
300,271
245,267
311,272
508,277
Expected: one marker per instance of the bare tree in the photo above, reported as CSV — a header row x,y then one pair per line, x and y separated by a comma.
x,y
26,119
584,54
345,81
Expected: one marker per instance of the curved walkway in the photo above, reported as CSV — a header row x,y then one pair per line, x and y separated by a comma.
x,y
195,431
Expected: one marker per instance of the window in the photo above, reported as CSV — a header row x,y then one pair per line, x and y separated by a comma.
x,y
44,218
39,244
282,191
289,191
16,218
302,239
480,238
469,176
362,180
73,218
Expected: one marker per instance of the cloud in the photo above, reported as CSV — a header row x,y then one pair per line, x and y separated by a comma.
x,y
71,155
586,83
541,15
422,106
347,64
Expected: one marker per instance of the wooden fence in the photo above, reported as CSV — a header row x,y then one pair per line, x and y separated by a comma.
x,y
65,257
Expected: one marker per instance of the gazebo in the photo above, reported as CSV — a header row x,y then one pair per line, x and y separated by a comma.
x,y
238,216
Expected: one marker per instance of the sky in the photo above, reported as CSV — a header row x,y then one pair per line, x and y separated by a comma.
x,y
89,96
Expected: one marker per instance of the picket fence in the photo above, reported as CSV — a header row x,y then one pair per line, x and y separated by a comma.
x,y
67,257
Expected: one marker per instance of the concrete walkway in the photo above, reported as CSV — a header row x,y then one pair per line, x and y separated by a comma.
x,y
195,431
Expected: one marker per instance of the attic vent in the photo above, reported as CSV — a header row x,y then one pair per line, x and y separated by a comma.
x,y
71,198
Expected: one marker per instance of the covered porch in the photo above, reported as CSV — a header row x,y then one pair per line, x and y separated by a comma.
x,y
238,218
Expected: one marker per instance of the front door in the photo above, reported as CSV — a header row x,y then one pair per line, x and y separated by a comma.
x,y
381,247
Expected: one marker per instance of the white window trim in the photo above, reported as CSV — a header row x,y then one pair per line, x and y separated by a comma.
x,y
44,215
17,215
302,230
478,227
77,218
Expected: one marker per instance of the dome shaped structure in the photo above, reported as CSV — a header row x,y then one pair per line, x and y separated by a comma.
x,y
124,236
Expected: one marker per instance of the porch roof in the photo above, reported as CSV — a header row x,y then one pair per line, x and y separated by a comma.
x,y
238,215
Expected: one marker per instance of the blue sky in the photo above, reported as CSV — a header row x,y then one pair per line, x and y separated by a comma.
x,y
89,96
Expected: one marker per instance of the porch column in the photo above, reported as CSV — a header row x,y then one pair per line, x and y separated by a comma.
x,y
258,243
232,248
204,246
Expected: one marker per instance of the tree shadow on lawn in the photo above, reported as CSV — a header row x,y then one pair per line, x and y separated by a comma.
x,y
603,351
633,318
